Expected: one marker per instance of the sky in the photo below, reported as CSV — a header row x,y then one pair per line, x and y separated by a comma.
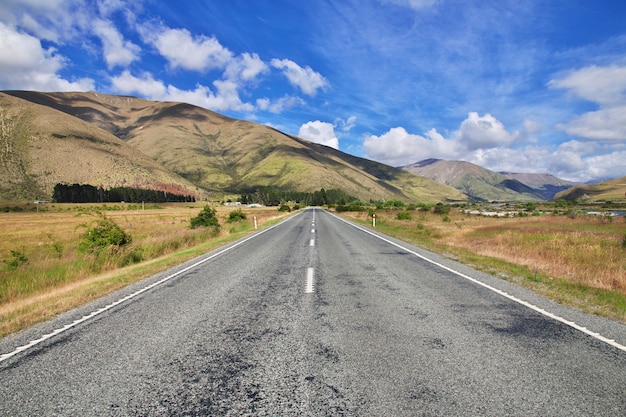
x,y
533,86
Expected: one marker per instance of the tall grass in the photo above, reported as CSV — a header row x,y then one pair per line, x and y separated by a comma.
x,y
50,243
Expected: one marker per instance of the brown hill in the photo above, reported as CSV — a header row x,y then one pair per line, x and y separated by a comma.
x,y
41,146
221,154
613,190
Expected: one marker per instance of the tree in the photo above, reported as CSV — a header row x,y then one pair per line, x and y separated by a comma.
x,y
206,218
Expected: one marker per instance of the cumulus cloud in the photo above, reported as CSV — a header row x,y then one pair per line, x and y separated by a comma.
x,y
305,78
319,132
117,51
181,49
605,86
27,65
479,132
246,67
225,97
398,147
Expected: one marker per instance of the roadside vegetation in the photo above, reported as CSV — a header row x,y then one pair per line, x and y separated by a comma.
x,y
62,255
557,249
56,256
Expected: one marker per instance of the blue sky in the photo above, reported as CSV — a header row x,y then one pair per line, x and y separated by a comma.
x,y
522,86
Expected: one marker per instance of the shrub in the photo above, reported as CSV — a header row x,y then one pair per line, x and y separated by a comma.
x,y
103,233
206,218
441,208
236,216
16,260
404,215
284,207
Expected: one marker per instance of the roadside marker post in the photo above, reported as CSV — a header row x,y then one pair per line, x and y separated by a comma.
x,y
373,220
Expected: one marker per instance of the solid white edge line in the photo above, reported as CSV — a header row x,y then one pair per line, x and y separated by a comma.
x,y
95,313
489,287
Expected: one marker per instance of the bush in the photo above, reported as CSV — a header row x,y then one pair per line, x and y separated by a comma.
x,y
404,215
206,218
236,216
441,208
17,259
284,207
102,233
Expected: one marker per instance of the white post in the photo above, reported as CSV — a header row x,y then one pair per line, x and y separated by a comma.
x,y
254,222
373,220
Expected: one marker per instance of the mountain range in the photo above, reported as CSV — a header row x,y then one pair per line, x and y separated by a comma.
x,y
481,184
110,141
106,140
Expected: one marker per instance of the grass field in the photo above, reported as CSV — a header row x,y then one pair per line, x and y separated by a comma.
x,y
580,261
42,271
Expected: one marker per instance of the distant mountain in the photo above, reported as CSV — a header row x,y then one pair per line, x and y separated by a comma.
x,y
202,149
614,189
481,184
546,185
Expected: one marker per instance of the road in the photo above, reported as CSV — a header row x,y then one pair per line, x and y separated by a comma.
x,y
317,317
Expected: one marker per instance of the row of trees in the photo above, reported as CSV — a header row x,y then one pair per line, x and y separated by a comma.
x,y
85,193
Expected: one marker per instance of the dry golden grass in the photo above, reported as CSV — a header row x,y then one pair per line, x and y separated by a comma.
x,y
57,277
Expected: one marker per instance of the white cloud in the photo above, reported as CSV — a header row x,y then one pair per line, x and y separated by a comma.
x,y
605,86
398,147
278,106
225,98
182,50
246,67
305,78
145,85
479,132
27,65
117,51
345,125
319,132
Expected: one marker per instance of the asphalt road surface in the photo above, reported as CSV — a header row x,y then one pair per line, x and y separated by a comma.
x,y
317,317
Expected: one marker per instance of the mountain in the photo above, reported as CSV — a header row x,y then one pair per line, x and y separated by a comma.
x,y
215,153
546,185
41,146
481,184
614,189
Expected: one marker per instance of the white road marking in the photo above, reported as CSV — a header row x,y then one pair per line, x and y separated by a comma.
x,y
101,310
310,287
312,242
496,290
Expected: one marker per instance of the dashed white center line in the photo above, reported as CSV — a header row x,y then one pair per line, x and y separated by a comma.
x,y
310,288
312,242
